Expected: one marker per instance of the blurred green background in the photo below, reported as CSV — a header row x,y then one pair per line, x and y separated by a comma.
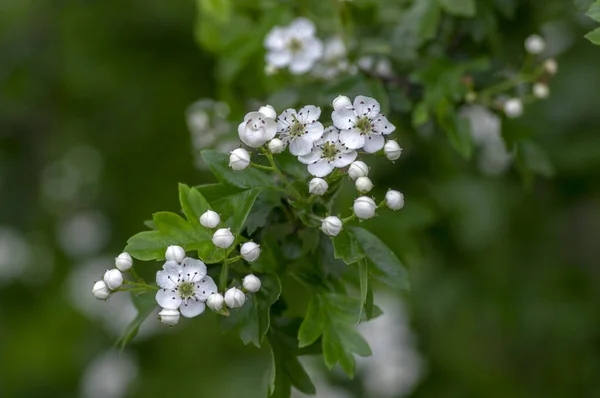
x,y
93,139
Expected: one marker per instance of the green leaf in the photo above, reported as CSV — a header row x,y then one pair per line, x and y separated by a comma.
x,y
384,265
271,258
219,10
594,36
461,8
234,209
363,275
249,178
594,11
346,247
193,203
266,202
145,304
420,114
532,159
457,128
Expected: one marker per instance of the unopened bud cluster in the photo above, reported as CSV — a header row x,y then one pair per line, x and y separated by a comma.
x,y
113,278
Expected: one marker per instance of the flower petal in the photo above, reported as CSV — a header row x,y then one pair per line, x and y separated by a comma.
x,y
313,131
331,134
270,129
309,114
167,280
204,288
286,118
279,58
301,146
353,139
344,159
321,169
301,63
302,27
366,106
168,298
382,125
276,38
192,308
193,270
374,143
344,119
312,157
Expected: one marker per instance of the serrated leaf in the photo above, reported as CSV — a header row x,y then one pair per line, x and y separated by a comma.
x,y
192,203
462,8
346,248
594,36
249,178
145,304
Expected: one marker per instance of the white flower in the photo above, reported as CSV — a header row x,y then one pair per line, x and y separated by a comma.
x,y
184,286
392,150
541,90
210,219
327,154
100,290
239,159
276,146
334,59
250,251
175,253
394,200
331,226
124,261
364,207
363,184
234,298
251,283
300,130
113,278
268,111
513,108
223,238
215,301
358,169
317,186
535,44
362,126
169,316
551,66
257,129
294,46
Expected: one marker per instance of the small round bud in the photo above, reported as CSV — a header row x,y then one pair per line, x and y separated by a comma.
x,y
392,150
251,283
210,219
223,238
394,200
234,298
550,66
513,108
363,184
100,290
169,317
276,145
358,169
239,159
541,90
175,253
331,226
268,111
364,207
113,278
124,261
535,44
215,301
250,251
341,102
317,186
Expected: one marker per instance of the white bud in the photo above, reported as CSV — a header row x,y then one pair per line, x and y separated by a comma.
x,y
223,238
358,169
394,200
331,226
364,207
210,219
234,298
513,108
239,159
276,145
251,283
392,150
100,290
169,317
363,184
341,102
175,253
541,90
535,44
113,278
215,301
268,111
124,261
250,251
551,66
318,186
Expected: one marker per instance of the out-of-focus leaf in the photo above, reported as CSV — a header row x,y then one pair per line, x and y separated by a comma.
x,y
145,305
594,36
462,8
594,11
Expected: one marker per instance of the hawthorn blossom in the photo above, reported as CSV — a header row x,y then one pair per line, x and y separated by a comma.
x,y
327,154
334,59
300,130
256,129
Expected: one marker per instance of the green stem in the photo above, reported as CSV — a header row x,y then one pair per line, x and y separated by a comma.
x,y
259,166
232,259
283,177
349,218
224,276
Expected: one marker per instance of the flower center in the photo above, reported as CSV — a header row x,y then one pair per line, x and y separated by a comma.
x,y
364,125
329,151
295,45
186,290
296,129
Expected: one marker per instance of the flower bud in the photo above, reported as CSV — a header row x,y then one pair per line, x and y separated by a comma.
x,y
331,226
535,44
318,186
175,253
550,66
215,302
541,90
113,278
223,238
341,102
513,108
239,159
392,150
358,169
250,251
169,317
394,200
210,219
124,261
234,298
268,111
363,184
364,207
251,283
100,290
276,145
